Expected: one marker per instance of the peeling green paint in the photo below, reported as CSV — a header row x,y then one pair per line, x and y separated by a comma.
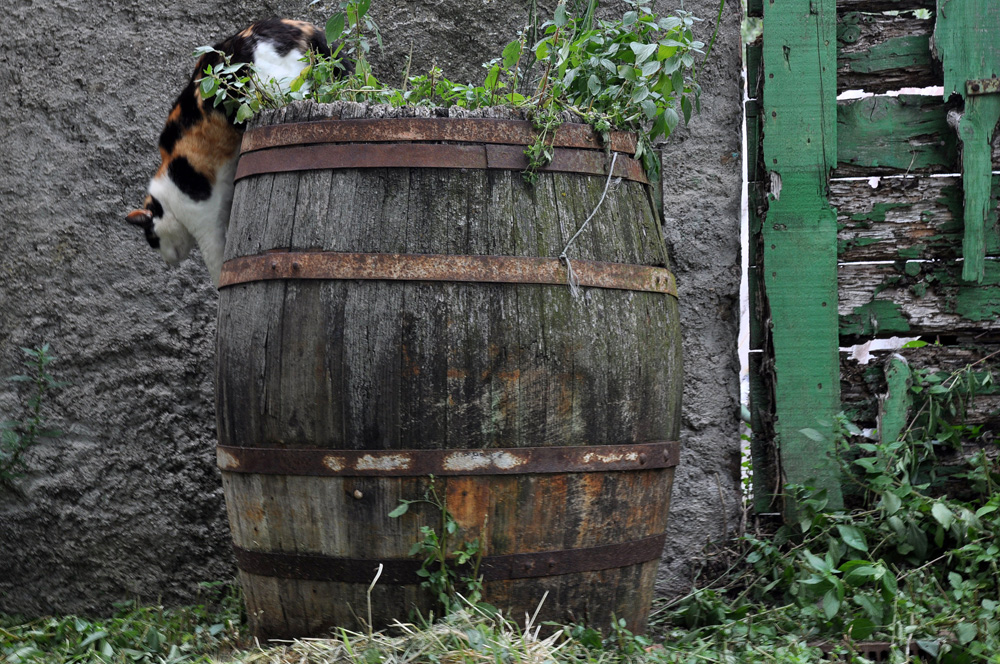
x,y
908,133
896,53
894,409
800,234
965,36
876,317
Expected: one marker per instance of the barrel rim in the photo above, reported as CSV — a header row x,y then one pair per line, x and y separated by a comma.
x,y
438,130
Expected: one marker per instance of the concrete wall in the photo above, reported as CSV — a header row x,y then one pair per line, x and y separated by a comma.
x,y
128,502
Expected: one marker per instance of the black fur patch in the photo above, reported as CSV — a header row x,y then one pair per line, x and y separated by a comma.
x,y
195,185
284,37
155,208
190,111
170,135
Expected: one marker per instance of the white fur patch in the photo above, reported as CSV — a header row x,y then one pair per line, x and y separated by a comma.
x,y
187,221
270,65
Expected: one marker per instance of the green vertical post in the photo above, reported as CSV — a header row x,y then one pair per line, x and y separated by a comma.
x,y
966,42
800,234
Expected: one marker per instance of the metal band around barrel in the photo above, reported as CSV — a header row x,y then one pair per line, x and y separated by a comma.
x,y
324,156
410,463
442,267
396,571
438,130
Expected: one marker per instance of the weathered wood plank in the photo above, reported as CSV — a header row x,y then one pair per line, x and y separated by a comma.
x,y
914,298
800,232
879,53
904,134
863,384
965,40
905,218
875,6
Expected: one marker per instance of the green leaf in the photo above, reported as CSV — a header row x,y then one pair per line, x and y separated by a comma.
x,y
814,435
542,49
642,51
966,632
816,562
96,636
942,514
559,18
932,648
873,609
243,113
335,27
399,511
208,87
594,85
650,68
831,604
492,77
511,54
891,502
861,628
639,94
853,537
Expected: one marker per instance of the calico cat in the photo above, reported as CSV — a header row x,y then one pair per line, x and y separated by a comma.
x,y
190,195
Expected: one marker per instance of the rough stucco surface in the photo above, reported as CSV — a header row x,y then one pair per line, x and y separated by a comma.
x,y
128,502
701,209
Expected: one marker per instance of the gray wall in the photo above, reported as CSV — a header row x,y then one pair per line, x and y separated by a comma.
x,y
128,502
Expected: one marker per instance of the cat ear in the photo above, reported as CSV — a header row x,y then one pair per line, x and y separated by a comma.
x,y
141,218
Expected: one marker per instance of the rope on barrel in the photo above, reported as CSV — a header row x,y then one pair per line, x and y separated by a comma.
x,y
574,283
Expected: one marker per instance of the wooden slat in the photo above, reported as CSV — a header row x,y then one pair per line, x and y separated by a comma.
x,y
874,6
799,234
917,298
904,134
878,53
905,218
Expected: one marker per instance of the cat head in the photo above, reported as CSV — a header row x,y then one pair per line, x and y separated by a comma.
x,y
163,231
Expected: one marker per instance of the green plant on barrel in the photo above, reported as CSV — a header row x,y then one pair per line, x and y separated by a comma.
x,y
17,436
635,73
450,572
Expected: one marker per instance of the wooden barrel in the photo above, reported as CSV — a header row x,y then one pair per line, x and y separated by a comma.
x,y
393,308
